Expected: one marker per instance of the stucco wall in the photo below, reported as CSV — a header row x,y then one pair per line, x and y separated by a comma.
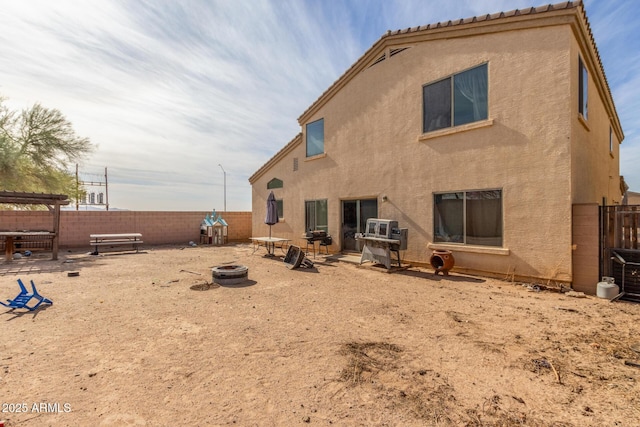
x,y
156,227
596,168
586,247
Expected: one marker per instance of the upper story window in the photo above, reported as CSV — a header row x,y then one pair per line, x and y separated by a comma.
x,y
456,100
315,138
274,183
583,84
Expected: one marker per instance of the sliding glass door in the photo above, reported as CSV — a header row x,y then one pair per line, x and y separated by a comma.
x,y
354,219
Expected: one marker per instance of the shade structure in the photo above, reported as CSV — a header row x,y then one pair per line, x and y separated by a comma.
x,y
272,211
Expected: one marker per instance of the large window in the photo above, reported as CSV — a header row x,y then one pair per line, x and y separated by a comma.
x,y
469,217
456,100
315,138
583,79
316,217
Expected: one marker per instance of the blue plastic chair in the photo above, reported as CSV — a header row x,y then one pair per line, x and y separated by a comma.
x,y
24,297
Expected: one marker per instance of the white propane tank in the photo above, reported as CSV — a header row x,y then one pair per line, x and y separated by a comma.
x,y
607,290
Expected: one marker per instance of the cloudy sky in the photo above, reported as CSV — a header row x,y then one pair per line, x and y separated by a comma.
x,y
168,90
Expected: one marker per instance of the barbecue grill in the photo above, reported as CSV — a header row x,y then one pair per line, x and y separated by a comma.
x,y
382,237
320,236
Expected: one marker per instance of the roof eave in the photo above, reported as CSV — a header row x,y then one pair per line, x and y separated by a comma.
x,y
276,158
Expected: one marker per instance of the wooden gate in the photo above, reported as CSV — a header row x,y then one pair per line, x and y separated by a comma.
x,y
619,251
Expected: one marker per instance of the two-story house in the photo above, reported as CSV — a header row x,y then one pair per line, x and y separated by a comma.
x,y
479,135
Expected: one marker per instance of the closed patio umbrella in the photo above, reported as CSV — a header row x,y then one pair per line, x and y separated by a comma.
x,y
272,211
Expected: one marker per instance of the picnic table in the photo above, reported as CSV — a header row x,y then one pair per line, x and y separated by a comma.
x,y
117,239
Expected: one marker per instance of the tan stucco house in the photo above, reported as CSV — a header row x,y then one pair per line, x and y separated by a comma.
x,y
479,135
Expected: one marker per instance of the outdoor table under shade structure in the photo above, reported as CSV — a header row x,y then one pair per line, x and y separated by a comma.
x,y
214,230
23,239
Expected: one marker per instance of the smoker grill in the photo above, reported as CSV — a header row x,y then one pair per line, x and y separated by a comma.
x,y
315,235
624,266
382,237
320,236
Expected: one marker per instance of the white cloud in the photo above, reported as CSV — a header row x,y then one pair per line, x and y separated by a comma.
x,y
168,90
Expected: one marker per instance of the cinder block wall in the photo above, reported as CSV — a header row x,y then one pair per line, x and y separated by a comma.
x,y
156,227
26,220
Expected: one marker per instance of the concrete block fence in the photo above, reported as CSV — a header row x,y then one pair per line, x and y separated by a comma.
x,y
157,228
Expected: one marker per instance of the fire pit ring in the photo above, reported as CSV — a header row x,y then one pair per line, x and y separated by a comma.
x,y
230,274
201,287
442,261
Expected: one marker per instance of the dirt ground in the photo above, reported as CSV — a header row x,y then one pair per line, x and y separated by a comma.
x,y
145,339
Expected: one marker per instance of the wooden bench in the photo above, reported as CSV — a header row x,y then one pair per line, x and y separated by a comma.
x,y
113,240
